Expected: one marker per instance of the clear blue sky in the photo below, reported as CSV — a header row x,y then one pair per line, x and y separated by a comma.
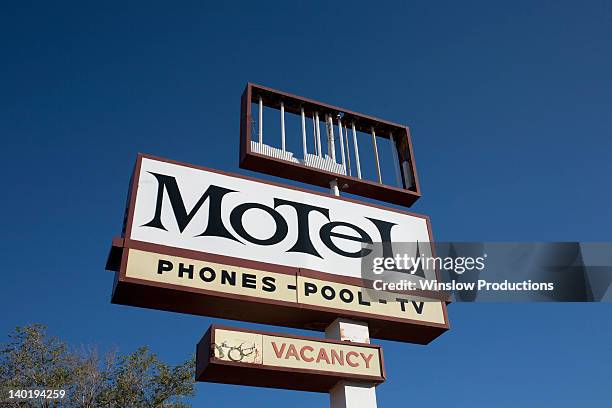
x,y
510,105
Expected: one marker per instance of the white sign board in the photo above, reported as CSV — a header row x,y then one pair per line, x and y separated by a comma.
x,y
205,242
201,210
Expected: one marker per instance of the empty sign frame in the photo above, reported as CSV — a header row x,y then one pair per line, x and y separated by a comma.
x,y
335,155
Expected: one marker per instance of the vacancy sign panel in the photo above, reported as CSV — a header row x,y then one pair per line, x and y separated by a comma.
x,y
204,242
250,357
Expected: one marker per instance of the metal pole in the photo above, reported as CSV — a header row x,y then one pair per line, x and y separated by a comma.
x,y
348,150
314,133
346,394
331,147
357,164
341,136
376,155
260,120
333,187
282,125
398,177
304,147
318,134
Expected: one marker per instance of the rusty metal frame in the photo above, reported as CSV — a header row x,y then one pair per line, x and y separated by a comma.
x,y
272,98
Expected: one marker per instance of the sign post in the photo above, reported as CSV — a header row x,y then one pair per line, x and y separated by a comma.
x,y
350,394
345,394
212,243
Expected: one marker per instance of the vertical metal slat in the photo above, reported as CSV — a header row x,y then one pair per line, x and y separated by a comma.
x,y
376,155
304,147
357,163
282,118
